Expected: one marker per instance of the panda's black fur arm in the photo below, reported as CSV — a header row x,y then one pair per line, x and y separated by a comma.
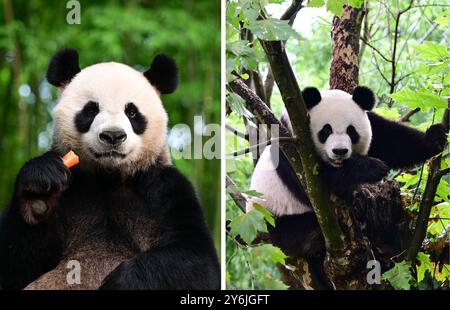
x,y
184,256
27,251
401,146
354,171
287,175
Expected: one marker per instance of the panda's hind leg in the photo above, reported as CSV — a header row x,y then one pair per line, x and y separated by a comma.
x,y
299,235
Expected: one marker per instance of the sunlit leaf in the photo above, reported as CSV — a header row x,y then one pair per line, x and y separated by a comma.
x,y
399,276
431,51
316,3
272,29
273,253
423,100
335,6
425,264
247,225
267,215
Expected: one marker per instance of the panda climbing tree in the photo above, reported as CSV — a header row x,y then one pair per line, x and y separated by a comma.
x,y
323,200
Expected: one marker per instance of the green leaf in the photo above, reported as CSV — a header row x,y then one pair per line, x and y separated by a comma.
x,y
443,20
422,100
431,51
408,179
446,272
272,29
273,253
237,104
230,67
316,3
425,264
252,193
399,276
245,54
247,225
335,6
249,8
269,218
389,113
355,3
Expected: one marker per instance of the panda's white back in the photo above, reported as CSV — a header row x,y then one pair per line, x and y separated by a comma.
x,y
277,198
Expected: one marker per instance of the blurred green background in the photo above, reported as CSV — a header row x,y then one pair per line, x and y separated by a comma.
x,y
132,32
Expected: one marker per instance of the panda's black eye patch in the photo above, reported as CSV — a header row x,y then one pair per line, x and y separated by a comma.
x,y
353,134
137,120
324,133
86,116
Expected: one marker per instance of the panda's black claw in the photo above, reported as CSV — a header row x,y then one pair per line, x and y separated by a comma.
x,y
436,138
39,185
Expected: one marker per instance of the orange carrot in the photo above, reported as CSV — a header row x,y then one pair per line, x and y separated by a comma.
x,y
70,159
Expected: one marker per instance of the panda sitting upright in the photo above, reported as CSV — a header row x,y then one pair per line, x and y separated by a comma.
x,y
125,214
355,146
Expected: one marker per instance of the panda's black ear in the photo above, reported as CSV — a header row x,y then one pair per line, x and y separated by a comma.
x,y
63,67
311,96
364,97
163,74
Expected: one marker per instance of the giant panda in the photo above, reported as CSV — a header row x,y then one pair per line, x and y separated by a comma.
x,y
355,146
125,214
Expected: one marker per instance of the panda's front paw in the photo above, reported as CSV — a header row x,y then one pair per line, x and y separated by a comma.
x,y
39,185
435,138
375,169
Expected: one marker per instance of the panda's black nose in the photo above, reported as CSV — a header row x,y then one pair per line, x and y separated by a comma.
x,y
113,136
340,151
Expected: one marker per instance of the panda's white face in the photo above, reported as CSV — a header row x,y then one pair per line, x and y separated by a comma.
x,y
112,117
339,127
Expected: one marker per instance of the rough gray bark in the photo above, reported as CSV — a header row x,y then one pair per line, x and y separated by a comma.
x,y
345,39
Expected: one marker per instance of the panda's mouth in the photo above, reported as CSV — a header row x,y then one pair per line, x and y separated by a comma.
x,y
108,154
337,162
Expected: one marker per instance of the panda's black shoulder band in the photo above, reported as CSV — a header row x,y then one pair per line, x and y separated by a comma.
x,y
364,97
63,67
163,74
311,96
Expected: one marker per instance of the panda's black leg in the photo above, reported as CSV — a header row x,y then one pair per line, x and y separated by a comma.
x,y
178,266
30,238
299,235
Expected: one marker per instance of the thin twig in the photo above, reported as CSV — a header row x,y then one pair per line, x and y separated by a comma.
x,y
407,116
394,50
375,50
236,132
265,143
235,194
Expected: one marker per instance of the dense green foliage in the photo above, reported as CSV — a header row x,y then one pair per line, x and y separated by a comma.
x,y
132,32
420,79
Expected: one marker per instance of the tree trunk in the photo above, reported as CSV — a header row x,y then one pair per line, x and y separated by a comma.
x,y
345,40
375,226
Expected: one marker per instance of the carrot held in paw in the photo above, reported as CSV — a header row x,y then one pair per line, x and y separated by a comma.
x,y
70,159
